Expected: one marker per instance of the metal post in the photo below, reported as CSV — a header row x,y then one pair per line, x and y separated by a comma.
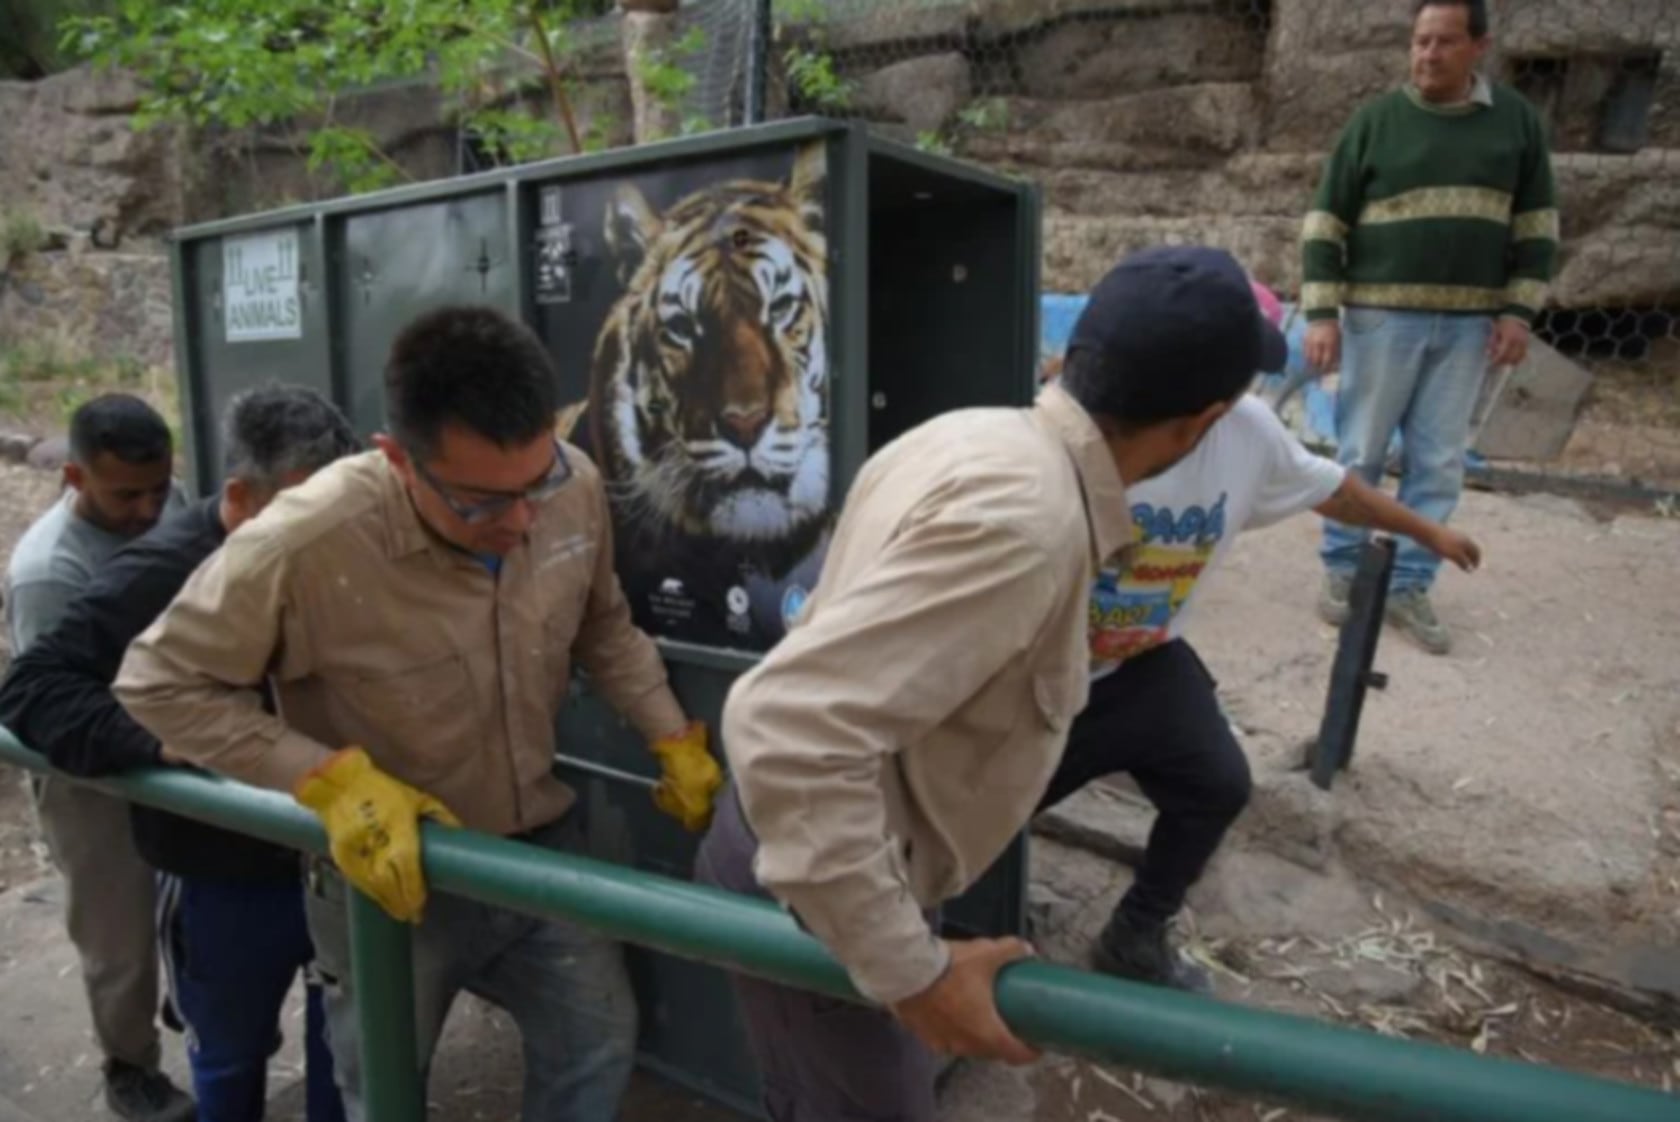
x,y
758,63
1351,674
382,966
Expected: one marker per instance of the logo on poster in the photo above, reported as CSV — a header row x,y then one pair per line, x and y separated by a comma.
x,y
793,603
738,602
554,258
671,603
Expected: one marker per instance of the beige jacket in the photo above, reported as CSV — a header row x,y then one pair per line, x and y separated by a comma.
x,y
375,632
890,747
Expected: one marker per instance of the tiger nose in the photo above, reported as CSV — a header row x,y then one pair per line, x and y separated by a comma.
x,y
743,424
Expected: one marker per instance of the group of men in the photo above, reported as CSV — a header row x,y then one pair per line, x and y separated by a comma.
x,y
388,635
391,639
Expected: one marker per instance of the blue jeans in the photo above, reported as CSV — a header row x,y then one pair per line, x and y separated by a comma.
x,y
231,950
1419,372
565,987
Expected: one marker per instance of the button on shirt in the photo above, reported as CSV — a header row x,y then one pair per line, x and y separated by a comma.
x,y
889,748
375,632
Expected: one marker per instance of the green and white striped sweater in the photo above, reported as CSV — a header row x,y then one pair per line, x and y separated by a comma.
x,y
1432,208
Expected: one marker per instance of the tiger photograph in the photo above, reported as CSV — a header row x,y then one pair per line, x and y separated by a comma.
x,y
707,402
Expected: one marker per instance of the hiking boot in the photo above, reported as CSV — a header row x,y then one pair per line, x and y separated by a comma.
x,y
1143,954
1333,599
1411,612
145,1096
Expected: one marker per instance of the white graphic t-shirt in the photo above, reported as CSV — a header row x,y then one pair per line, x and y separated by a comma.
x,y
1249,471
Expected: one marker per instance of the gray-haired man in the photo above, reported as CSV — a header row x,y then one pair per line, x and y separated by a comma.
x,y
231,921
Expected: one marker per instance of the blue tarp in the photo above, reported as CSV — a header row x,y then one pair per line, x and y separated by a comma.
x,y
1058,311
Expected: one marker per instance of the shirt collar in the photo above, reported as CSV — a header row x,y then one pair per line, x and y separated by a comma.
x,y
1107,513
210,510
405,534
1481,94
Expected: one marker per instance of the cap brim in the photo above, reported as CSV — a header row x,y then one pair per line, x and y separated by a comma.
x,y
1274,348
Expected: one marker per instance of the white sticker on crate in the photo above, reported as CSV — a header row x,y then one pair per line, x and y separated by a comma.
x,y
260,287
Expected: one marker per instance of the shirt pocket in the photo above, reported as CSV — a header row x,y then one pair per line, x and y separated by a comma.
x,y
560,627
1023,761
419,722
1059,696
558,638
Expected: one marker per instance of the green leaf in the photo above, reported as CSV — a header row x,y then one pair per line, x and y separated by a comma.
x,y
933,143
799,11
243,62
692,42
813,76
989,114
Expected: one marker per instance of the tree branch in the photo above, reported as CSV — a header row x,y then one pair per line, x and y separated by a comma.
x,y
556,81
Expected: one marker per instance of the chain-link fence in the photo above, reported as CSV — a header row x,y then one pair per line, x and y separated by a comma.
x,y
1160,121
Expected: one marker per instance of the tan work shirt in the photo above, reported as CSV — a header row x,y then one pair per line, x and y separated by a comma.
x,y
890,747
375,632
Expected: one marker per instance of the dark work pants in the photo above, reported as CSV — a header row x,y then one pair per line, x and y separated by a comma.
x,y
821,1059
1156,717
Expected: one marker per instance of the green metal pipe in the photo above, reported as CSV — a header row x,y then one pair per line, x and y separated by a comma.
x,y
1323,1067
1295,1060
1348,1073
687,920
382,966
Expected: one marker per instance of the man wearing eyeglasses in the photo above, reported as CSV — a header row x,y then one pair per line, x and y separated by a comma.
x,y
418,611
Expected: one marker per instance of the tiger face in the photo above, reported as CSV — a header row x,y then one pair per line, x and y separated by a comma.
x,y
709,380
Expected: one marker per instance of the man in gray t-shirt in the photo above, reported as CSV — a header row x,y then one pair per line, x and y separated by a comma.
x,y
53,562
117,485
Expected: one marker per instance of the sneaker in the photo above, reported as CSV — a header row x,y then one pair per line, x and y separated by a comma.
x,y
1144,954
1411,612
1333,599
145,1096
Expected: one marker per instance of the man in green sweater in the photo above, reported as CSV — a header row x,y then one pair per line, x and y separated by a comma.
x,y
1426,257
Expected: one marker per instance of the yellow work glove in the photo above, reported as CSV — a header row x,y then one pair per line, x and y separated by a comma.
x,y
373,825
689,777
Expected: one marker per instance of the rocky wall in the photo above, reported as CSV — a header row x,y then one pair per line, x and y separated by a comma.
x,y
91,303
1144,120
106,194
1208,120
72,160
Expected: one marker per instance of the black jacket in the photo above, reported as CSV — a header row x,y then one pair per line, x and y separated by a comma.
x,y
57,697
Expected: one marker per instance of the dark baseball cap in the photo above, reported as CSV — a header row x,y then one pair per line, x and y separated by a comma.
x,y
1173,330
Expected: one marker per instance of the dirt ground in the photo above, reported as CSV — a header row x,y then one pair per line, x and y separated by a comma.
x,y
1630,427
1531,777
1322,945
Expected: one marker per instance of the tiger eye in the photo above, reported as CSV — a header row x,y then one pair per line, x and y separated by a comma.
x,y
741,238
